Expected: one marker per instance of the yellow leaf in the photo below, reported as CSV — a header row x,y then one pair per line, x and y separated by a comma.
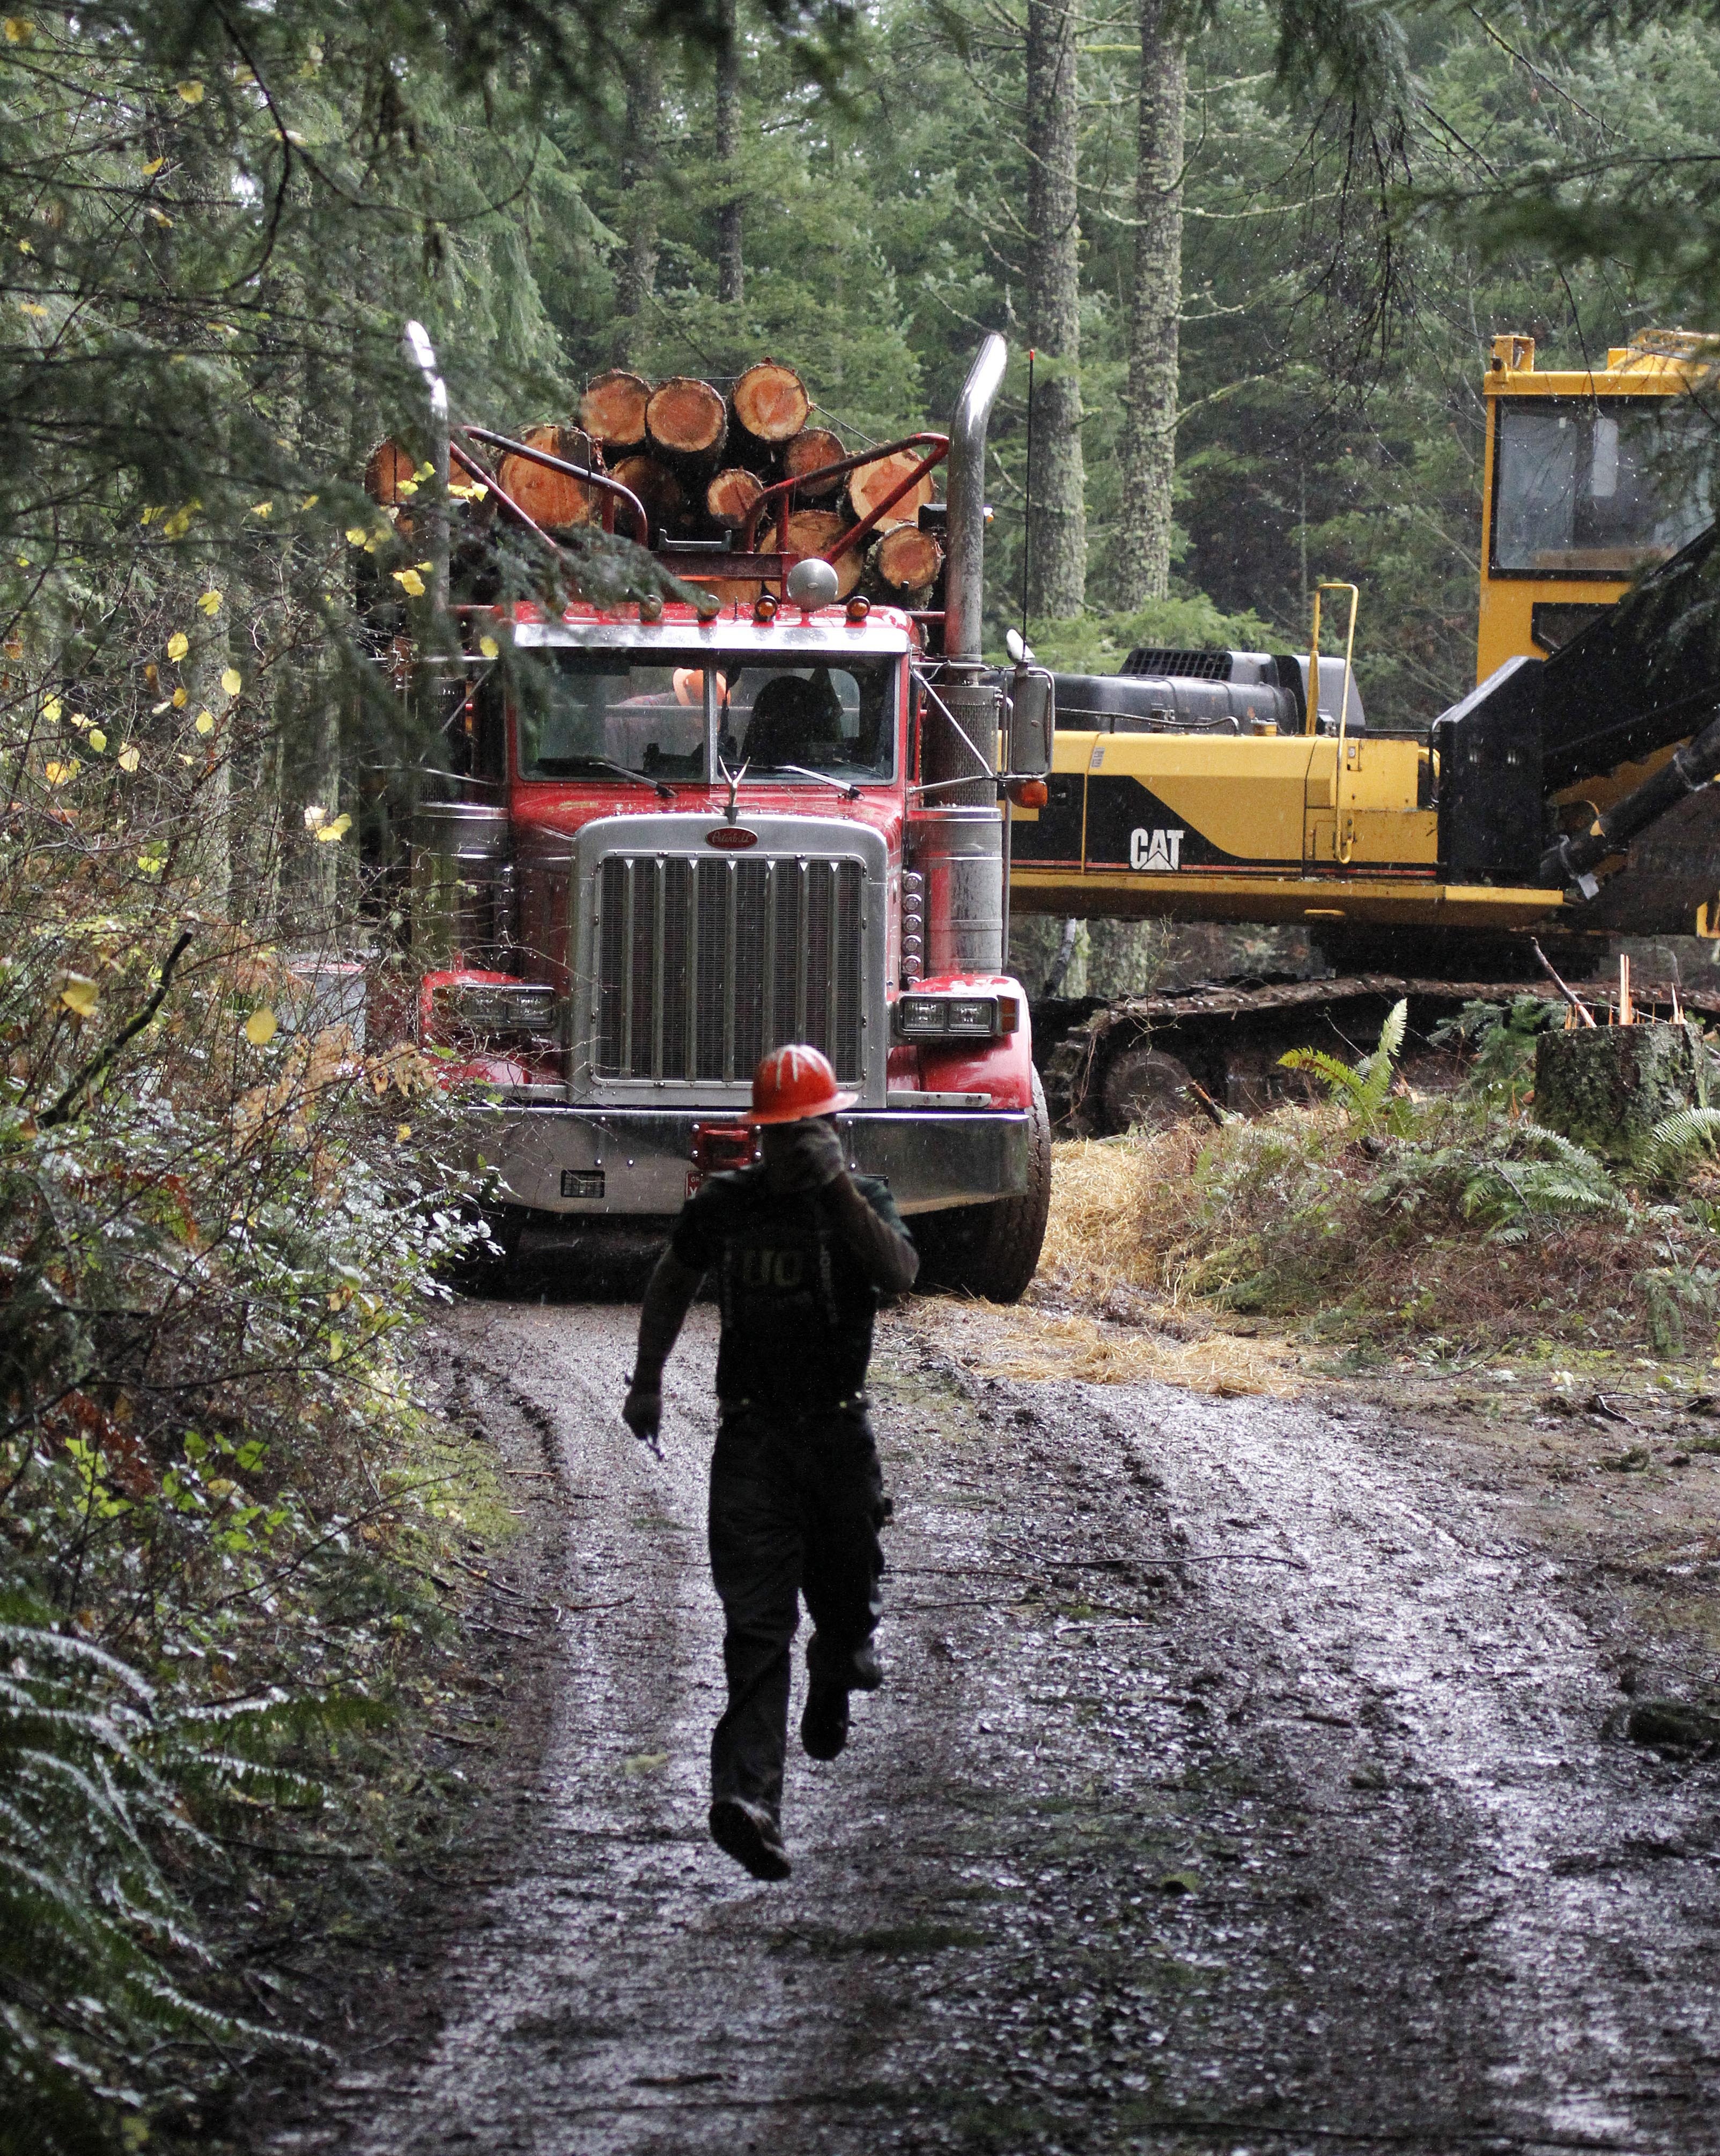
x,y
490,648
129,759
261,508
423,568
342,824
19,29
425,471
205,722
336,1347
192,92
79,994
97,740
180,698
411,582
356,535
210,603
178,644
403,1133
25,248
153,167
57,773
78,720
261,1027
309,501
232,680
407,486
52,708
30,307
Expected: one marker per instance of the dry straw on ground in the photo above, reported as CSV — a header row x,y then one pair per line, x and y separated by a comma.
x,y
1107,1307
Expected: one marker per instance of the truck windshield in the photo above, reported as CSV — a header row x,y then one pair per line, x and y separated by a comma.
x,y
1582,489
598,714
834,719
605,714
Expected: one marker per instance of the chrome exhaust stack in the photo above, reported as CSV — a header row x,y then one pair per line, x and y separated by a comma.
x,y
421,353
964,570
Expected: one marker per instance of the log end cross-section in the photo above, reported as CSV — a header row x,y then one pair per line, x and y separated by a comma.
x,y
552,499
659,491
874,483
614,408
731,495
770,401
685,417
807,453
811,530
907,559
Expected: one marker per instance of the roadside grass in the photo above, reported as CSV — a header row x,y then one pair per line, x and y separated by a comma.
x,y
1373,1224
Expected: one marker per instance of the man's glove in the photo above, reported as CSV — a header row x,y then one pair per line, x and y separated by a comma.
x,y
643,1414
815,1157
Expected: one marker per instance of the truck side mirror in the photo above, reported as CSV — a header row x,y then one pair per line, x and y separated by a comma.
x,y
1033,719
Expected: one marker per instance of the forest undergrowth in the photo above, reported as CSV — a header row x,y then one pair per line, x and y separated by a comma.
x,y
1374,1219
226,1523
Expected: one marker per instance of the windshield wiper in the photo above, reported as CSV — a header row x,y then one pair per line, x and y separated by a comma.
x,y
843,786
568,767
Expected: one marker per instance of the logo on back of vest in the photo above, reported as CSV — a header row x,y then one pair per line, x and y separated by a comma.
x,y
772,1269
1155,850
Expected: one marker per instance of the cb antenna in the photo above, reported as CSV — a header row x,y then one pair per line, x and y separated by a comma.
x,y
1027,514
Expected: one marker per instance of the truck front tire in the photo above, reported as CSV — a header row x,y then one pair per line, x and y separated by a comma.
x,y
993,1251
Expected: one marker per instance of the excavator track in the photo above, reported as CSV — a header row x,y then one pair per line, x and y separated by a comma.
x,y
1150,1058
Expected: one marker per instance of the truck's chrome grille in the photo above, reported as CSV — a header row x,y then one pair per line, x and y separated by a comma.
x,y
704,965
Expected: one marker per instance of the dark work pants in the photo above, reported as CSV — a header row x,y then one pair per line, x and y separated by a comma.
x,y
795,1509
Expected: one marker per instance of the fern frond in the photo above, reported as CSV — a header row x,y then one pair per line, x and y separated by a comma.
x,y
1672,1142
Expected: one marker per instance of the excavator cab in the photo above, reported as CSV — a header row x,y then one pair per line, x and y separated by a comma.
x,y
1589,477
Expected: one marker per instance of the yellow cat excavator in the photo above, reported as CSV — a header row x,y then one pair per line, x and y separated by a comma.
x,y
1562,801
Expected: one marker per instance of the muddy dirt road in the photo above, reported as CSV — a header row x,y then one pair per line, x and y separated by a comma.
x,y
1239,1784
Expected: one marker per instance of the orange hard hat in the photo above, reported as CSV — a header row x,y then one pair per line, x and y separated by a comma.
x,y
794,1084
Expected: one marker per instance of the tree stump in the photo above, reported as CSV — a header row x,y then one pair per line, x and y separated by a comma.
x,y
1607,1086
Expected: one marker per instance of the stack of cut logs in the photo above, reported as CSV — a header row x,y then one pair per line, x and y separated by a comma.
x,y
699,461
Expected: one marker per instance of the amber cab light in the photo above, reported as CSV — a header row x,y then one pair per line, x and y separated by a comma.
x,y
764,608
859,607
1028,793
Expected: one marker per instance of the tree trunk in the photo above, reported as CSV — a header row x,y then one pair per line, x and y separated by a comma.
x,y
636,279
1149,442
729,271
1058,533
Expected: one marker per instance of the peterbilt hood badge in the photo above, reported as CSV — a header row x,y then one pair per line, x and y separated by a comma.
x,y
732,838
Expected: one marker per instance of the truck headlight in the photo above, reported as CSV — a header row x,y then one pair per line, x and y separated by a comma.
x,y
495,1009
971,1017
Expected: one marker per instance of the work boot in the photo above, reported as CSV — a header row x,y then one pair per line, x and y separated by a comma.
x,y
859,1671
824,1720
747,1833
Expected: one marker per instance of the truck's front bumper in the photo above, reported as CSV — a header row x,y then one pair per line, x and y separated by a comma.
x,y
629,1162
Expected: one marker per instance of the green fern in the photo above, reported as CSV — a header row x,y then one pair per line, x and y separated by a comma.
x,y
1515,1192
1361,1090
1671,1144
101,1967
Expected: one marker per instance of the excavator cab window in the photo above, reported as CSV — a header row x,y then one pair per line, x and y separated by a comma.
x,y
1580,490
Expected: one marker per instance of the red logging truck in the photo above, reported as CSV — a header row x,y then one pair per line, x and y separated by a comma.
x,y
705,830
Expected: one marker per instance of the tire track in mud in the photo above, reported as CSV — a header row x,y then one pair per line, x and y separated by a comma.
x,y
1237,1785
